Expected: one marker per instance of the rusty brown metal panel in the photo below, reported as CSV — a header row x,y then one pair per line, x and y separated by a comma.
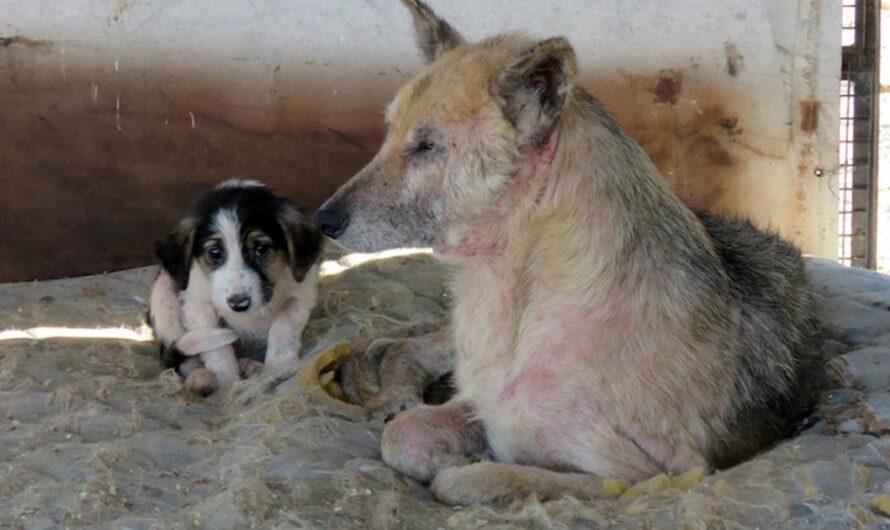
x,y
93,168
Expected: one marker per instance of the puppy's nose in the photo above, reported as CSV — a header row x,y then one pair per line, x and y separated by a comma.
x,y
239,302
332,221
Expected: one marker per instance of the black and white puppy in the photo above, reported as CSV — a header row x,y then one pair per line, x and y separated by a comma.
x,y
239,277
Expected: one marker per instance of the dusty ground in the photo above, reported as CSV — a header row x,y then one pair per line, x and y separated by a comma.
x,y
91,434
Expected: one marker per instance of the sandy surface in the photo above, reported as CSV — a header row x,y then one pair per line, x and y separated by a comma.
x,y
92,434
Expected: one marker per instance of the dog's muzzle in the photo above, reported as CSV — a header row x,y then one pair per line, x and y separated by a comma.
x,y
239,302
332,221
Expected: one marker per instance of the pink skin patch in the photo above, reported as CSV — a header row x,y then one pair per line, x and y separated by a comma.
x,y
489,236
534,382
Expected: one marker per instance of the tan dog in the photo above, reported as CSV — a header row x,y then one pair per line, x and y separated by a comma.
x,y
602,328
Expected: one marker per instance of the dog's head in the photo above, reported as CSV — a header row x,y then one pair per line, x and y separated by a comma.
x,y
245,239
463,138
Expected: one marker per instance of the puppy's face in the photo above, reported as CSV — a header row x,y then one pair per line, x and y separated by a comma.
x,y
245,240
242,256
461,135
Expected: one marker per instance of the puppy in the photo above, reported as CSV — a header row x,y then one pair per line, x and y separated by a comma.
x,y
239,277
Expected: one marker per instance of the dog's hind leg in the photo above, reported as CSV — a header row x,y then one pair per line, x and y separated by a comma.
x,y
485,482
164,315
408,367
423,440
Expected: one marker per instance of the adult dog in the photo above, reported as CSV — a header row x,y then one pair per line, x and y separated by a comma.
x,y
602,328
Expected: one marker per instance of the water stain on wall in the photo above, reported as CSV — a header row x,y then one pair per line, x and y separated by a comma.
x,y
809,115
692,132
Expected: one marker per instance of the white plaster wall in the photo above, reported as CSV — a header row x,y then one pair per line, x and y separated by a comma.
x,y
340,60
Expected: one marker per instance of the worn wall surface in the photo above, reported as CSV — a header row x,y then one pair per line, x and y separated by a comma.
x,y
115,114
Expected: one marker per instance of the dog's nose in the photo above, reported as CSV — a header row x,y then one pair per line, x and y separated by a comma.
x,y
332,221
239,302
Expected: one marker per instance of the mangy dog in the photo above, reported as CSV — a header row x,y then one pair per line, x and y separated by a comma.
x,y
602,327
239,275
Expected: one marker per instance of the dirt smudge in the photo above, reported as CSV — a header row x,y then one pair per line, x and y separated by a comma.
x,y
689,129
19,40
809,115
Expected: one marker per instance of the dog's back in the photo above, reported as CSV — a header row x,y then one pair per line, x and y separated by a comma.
x,y
780,368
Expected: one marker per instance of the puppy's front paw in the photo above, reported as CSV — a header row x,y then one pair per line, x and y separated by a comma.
x,y
281,357
202,382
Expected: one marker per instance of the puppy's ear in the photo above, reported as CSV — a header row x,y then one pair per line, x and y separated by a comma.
x,y
434,35
303,238
533,88
174,251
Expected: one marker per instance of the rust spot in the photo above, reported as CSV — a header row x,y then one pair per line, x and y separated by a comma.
x,y
668,86
809,115
710,149
731,124
734,60
800,197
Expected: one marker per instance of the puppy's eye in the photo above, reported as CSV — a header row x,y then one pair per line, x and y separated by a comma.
x,y
260,250
215,253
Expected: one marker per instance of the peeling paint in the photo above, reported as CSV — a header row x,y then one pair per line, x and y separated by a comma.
x,y
734,60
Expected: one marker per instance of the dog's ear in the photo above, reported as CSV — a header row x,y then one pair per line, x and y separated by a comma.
x,y
434,35
533,88
175,251
303,238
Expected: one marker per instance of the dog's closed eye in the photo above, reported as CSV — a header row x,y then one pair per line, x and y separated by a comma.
x,y
423,147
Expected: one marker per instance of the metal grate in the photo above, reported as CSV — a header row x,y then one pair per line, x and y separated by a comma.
x,y
857,156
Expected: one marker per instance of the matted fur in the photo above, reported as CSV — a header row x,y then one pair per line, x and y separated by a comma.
x,y
601,326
